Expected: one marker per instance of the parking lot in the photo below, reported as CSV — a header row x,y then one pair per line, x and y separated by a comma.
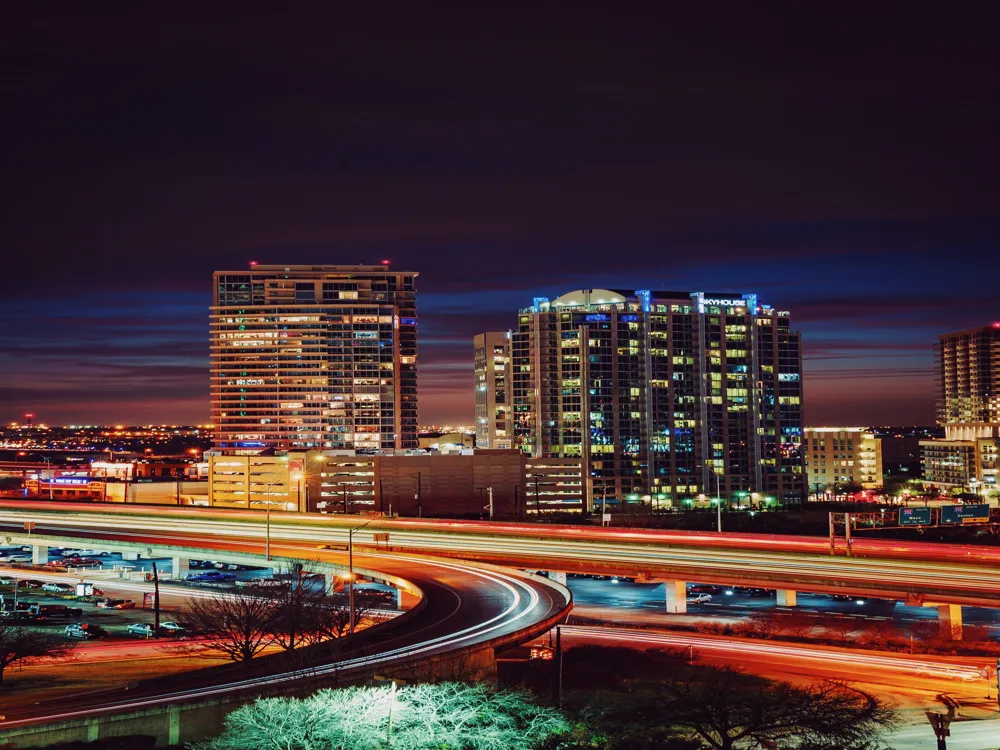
x,y
47,596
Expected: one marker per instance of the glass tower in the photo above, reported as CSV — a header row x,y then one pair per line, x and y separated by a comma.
x,y
662,392
314,357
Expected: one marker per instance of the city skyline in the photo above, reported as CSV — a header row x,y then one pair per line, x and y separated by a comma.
x,y
504,161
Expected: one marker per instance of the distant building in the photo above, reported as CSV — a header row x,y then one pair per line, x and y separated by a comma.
x,y
494,395
306,357
445,441
659,391
836,457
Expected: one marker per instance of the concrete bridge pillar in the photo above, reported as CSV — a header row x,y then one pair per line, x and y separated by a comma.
x,y
558,576
676,596
39,554
181,567
399,598
950,621
787,598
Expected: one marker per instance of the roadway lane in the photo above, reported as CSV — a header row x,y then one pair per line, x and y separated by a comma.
x,y
907,580
911,683
625,596
927,673
466,608
886,548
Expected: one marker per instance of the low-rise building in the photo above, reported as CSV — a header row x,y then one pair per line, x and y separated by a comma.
x,y
464,483
961,465
838,457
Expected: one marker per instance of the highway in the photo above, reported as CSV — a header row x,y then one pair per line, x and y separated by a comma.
x,y
901,571
466,608
912,683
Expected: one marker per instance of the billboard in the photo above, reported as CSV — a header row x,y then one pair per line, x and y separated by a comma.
x,y
914,516
962,514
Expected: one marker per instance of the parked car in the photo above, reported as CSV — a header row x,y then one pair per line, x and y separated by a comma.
x,y
82,562
13,557
140,628
84,553
8,581
30,583
59,588
700,598
227,566
85,631
54,610
176,627
211,575
116,604
59,562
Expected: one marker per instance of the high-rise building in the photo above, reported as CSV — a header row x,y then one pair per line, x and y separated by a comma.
x,y
838,457
662,393
969,382
491,357
314,357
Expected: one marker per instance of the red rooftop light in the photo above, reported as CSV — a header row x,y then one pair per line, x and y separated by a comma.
x,y
253,263
385,262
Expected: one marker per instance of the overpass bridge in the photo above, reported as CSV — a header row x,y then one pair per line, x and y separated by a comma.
x,y
946,577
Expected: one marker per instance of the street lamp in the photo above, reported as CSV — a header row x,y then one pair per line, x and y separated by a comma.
x,y
350,571
48,465
267,518
718,498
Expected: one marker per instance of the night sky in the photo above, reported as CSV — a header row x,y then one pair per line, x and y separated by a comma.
x,y
844,167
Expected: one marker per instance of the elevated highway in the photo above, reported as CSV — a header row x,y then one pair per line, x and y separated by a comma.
x,y
943,576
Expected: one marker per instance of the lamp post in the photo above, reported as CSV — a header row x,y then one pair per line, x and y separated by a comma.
x,y
718,499
267,519
48,465
350,572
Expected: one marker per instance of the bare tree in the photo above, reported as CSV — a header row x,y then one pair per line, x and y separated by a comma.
x,y
240,624
763,624
841,628
726,709
20,645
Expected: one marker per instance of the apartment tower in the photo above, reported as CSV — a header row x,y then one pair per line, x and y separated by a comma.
x,y
665,395
969,382
314,357
491,358
968,407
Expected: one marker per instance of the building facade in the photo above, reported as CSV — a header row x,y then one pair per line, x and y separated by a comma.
x,y
314,357
492,372
660,392
408,483
961,465
968,406
837,457
969,380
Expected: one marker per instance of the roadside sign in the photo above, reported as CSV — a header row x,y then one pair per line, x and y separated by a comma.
x,y
962,514
914,516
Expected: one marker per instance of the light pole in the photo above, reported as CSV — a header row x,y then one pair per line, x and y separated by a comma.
x,y
350,572
48,468
267,519
718,500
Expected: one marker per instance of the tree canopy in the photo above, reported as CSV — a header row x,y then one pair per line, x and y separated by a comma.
x,y
447,716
